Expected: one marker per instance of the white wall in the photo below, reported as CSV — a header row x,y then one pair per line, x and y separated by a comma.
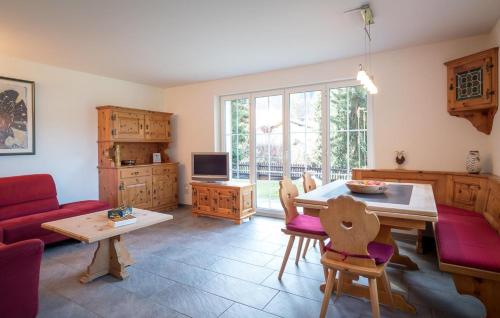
x,y
66,123
409,111
495,133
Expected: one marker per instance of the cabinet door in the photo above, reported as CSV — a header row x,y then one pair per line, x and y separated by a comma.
x,y
467,193
158,127
164,190
127,125
136,192
225,201
201,199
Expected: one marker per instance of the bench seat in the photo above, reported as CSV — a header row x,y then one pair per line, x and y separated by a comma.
x,y
466,239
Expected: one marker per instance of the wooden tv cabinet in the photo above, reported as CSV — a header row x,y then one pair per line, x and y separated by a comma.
x,y
227,200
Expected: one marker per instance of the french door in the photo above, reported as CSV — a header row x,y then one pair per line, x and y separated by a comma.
x,y
321,129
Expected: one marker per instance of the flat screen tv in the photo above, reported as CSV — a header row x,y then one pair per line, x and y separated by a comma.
x,y
210,166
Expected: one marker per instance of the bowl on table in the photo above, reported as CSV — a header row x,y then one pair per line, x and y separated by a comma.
x,y
366,186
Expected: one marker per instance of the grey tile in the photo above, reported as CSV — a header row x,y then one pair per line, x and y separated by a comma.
x,y
304,269
297,285
244,255
291,306
142,283
241,270
192,301
242,311
244,292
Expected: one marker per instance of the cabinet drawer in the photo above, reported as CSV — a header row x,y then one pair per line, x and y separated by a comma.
x,y
135,172
164,170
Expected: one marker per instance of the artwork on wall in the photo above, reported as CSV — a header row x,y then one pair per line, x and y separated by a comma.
x,y
17,117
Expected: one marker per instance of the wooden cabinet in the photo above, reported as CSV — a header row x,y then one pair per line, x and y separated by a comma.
x,y
133,125
472,86
127,125
229,200
133,134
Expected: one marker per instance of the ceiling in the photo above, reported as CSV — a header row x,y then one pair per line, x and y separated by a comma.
x,y
173,42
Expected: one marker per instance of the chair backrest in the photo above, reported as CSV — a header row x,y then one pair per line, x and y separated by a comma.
x,y
349,226
288,193
309,183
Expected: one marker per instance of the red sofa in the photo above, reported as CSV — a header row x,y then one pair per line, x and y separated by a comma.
x,y
19,278
28,201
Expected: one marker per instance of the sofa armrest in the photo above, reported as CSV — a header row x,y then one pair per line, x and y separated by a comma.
x,y
1,235
20,268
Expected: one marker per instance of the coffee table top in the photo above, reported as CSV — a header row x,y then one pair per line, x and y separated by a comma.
x,y
94,227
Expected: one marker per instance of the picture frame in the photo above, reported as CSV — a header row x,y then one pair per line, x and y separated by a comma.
x,y
17,117
156,157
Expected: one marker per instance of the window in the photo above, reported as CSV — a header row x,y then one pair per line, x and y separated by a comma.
x,y
322,129
348,131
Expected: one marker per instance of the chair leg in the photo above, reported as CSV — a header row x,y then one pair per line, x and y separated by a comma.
x,y
328,292
387,286
287,255
372,285
299,248
321,250
339,286
306,247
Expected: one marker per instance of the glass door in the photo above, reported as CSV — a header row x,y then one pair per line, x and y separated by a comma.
x,y
268,149
305,137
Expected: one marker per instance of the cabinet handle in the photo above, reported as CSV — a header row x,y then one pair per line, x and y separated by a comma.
x,y
121,187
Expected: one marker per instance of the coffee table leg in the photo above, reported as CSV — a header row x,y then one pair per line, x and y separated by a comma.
x,y
110,257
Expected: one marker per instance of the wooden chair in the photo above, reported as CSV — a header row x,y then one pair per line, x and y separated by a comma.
x,y
297,225
352,251
309,185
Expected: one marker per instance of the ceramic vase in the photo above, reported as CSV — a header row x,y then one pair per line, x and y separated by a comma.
x,y
473,162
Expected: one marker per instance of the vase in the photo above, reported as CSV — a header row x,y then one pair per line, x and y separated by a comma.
x,y
473,162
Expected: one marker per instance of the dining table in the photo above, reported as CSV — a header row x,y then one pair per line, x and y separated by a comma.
x,y
403,206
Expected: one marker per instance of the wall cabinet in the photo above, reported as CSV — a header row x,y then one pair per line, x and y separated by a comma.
x,y
229,200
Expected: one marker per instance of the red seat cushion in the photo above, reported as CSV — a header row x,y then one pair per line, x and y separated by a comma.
x,y
306,224
381,253
29,226
86,206
465,238
24,195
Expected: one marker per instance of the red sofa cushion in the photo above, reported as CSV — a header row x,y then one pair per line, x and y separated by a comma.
x,y
29,226
465,238
86,206
20,268
306,224
24,195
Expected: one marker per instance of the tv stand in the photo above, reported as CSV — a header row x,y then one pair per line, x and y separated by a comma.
x,y
228,200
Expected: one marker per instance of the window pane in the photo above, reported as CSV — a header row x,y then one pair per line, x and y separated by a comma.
x,y
305,136
269,150
238,136
348,131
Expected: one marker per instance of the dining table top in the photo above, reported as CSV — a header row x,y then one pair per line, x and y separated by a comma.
x,y
412,201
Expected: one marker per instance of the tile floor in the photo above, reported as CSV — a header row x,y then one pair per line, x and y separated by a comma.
x,y
203,267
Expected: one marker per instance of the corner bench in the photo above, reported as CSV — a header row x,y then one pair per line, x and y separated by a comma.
x,y
469,249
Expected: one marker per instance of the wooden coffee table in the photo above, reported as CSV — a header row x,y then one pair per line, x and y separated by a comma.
x,y
111,255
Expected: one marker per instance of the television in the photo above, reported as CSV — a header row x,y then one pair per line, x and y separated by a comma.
x,y
210,166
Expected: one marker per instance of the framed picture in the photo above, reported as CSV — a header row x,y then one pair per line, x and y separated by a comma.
x,y
17,117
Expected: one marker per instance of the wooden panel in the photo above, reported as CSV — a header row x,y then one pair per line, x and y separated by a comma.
x,y
158,126
135,172
492,208
164,169
201,199
127,125
141,152
247,198
164,190
467,192
224,201
108,186
136,192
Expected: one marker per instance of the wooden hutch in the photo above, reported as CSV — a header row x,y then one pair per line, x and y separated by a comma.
x,y
133,134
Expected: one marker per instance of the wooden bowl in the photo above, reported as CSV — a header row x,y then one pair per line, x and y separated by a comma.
x,y
128,162
366,186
